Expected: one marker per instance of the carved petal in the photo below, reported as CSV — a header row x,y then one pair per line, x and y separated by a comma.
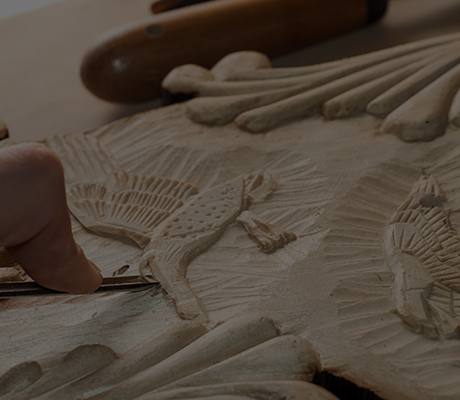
x,y
143,356
395,83
243,358
19,377
79,362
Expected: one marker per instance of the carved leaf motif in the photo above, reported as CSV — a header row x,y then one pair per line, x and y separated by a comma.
x,y
244,357
393,84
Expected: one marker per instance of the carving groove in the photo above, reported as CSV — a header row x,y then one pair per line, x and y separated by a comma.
x,y
391,84
244,357
422,251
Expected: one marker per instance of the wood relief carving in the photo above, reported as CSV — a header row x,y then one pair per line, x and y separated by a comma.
x,y
129,207
243,358
197,226
374,296
391,84
345,236
421,250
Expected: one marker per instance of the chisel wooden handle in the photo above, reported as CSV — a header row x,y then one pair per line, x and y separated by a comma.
x,y
129,64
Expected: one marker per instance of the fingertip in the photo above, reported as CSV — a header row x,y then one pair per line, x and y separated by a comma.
x,y
94,266
94,282
80,276
96,277
88,279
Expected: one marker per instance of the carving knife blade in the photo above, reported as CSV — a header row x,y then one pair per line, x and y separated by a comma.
x,y
109,284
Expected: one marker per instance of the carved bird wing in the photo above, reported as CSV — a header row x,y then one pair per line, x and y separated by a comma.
x,y
109,201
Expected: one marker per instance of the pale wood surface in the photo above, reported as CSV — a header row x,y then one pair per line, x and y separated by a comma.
x,y
41,53
331,286
354,283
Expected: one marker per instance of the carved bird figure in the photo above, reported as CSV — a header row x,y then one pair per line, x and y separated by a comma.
x,y
169,220
423,252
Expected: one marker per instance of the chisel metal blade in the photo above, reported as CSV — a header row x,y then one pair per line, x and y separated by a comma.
x,y
110,284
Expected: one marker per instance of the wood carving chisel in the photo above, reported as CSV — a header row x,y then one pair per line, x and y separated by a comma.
x,y
110,284
128,64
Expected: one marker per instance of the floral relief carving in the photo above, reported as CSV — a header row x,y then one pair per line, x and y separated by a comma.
x,y
392,84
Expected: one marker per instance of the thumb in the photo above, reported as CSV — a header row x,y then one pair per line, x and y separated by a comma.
x,y
55,261
36,230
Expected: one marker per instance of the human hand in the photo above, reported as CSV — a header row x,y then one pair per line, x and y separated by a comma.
x,y
35,225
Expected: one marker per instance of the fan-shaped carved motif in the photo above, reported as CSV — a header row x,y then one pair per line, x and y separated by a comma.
x,y
243,358
422,251
412,87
